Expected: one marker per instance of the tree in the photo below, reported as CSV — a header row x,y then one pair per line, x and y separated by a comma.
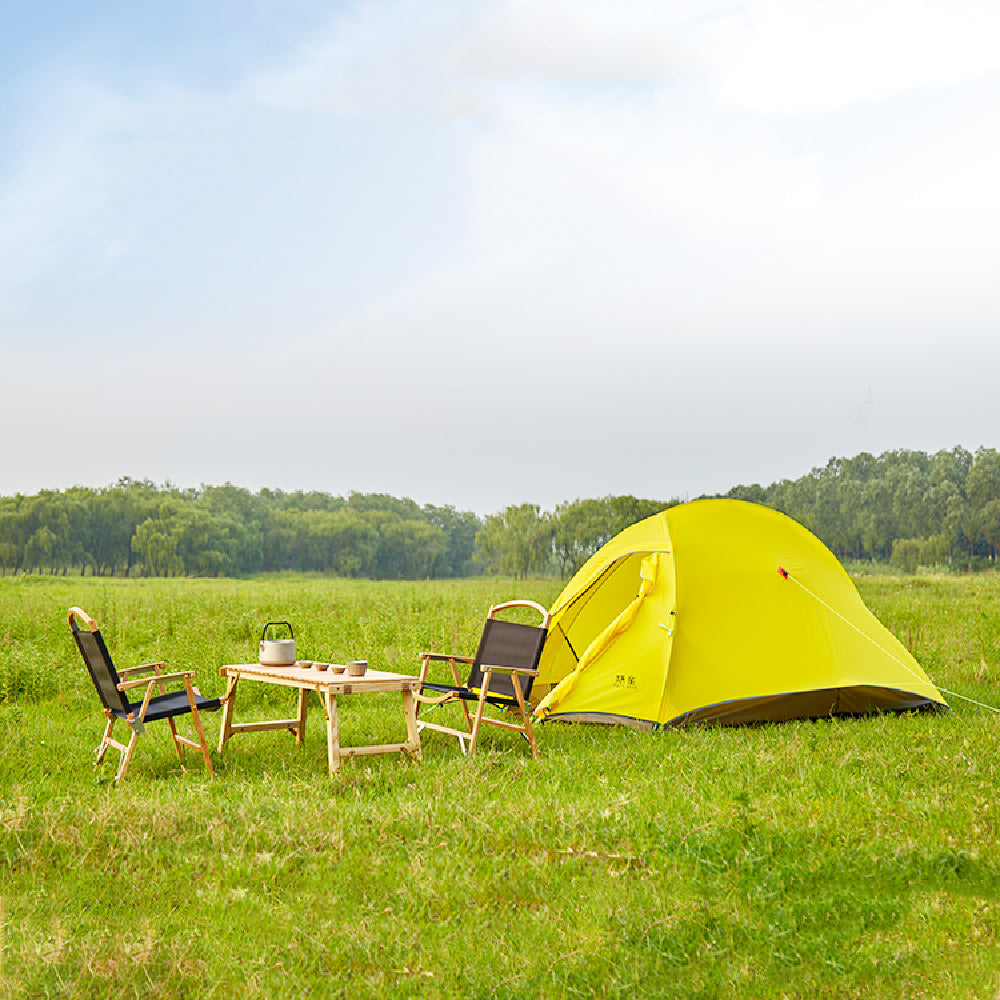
x,y
207,544
982,487
989,525
339,541
14,532
408,549
156,545
517,541
906,554
283,539
580,528
460,529
38,551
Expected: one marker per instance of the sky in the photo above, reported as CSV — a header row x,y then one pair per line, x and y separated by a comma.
x,y
487,252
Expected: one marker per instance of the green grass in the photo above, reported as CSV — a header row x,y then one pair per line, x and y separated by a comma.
x,y
845,858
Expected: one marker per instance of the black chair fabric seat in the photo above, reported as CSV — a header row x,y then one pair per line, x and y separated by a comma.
x,y
466,695
165,706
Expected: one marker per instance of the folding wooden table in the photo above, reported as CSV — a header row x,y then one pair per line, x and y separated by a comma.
x,y
328,685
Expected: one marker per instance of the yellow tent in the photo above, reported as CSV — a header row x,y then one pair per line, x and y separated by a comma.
x,y
720,611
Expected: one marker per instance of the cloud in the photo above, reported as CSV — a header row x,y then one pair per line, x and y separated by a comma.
x,y
381,60
582,41
408,58
809,56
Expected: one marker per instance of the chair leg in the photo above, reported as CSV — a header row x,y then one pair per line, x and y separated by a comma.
x,y
529,732
125,751
126,757
480,706
201,740
177,743
525,729
529,735
196,719
461,702
474,735
468,718
105,743
422,676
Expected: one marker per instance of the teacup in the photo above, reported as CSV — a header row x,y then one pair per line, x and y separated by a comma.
x,y
357,668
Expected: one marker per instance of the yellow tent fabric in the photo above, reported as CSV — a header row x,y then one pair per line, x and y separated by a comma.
x,y
720,611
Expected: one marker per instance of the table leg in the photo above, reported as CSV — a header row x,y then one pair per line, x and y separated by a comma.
x,y
300,733
226,727
332,733
322,701
412,733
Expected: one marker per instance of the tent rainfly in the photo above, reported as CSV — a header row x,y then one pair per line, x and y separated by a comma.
x,y
720,611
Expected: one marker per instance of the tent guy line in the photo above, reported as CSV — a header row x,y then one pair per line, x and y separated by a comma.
x,y
788,576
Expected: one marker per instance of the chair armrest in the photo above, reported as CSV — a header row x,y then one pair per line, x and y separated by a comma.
x,y
496,668
427,658
156,679
143,668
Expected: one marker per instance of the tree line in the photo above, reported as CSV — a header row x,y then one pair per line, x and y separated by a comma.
x,y
908,508
136,527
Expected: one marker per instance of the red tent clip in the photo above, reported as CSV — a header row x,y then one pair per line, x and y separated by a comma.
x,y
783,572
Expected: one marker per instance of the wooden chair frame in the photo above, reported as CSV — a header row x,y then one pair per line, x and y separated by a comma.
x,y
520,678
135,713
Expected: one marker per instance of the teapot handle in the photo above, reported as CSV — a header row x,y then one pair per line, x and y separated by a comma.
x,y
269,624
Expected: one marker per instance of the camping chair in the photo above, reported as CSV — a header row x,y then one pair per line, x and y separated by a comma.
x,y
508,652
111,686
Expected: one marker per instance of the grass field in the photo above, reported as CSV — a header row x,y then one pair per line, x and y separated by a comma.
x,y
844,858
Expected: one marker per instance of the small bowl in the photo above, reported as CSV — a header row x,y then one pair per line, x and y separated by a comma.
x,y
357,668
321,666
336,668
305,664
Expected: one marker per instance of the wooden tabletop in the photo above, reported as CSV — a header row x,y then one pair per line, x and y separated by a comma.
x,y
335,676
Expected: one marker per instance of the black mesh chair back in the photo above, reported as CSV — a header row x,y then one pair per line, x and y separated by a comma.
x,y
506,644
101,669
